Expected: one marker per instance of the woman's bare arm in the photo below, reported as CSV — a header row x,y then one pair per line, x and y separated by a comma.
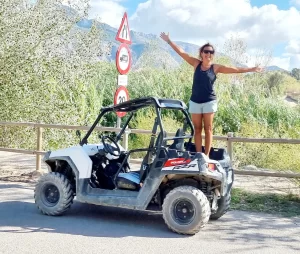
x,y
228,70
189,59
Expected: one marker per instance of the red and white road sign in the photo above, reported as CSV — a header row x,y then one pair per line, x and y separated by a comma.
x,y
123,59
123,34
121,95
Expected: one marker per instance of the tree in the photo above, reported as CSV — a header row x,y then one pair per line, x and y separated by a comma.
x,y
47,62
296,73
275,83
45,30
236,48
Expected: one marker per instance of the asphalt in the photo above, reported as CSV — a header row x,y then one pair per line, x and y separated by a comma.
x,y
95,229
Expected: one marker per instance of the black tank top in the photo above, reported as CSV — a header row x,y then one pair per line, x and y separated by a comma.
x,y
203,85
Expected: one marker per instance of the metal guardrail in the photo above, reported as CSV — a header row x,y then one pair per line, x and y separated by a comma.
x,y
229,139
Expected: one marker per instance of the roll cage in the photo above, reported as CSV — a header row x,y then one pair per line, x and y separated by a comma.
x,y
134,105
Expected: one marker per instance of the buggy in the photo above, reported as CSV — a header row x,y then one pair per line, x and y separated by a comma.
x,y
124,58
188,187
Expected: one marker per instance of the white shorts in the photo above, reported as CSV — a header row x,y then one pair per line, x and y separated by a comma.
x,y
202,108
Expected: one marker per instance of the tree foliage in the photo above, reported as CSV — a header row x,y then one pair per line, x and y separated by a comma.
x,y
296,73
47,63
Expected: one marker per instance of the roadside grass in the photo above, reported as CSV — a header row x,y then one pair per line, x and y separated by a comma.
x,y
279,204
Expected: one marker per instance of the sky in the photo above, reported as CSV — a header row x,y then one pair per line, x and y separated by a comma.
x,y
272,25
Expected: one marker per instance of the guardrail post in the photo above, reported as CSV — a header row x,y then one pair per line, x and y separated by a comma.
x,y
230,145
125,138
39,148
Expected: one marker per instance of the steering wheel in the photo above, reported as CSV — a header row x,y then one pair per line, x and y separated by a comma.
x,y
109,148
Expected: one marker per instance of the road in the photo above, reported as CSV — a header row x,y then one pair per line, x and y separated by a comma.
x,y
93,229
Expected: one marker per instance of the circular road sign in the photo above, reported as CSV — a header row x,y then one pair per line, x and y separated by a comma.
x,y
123,59
121,95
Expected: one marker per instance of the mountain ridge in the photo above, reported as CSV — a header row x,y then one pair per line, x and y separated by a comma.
x,y
141,42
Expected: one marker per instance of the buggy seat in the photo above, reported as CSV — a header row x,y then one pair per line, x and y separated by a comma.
x,y
129,181
132,180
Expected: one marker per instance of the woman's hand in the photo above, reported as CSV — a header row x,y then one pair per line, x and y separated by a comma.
x,y
189,59
257,69
165,37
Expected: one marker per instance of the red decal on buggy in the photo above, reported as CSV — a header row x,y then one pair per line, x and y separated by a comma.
x,y
176,161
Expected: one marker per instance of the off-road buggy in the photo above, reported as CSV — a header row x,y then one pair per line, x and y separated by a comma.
x,y
187,186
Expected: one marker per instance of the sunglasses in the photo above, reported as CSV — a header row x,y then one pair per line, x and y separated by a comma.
x,y
205,51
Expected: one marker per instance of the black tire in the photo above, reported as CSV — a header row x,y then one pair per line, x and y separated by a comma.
x,y
223,207
187,202
53,194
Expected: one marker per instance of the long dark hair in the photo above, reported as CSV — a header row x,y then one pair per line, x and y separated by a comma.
x,y
203,47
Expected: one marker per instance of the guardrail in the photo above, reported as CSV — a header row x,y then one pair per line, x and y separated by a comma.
x,y
229,139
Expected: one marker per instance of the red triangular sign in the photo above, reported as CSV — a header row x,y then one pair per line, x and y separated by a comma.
x,y
123,34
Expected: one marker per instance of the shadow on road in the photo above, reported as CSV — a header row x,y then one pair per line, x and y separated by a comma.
x,y
83,219
10,185
96,221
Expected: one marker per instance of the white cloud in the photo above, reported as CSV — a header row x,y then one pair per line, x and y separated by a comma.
x,y
199,21
215,20
282,62
109,12
292,51
295,3
295,61
293,47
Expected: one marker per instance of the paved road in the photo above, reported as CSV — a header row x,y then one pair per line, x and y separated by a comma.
x,y
91,229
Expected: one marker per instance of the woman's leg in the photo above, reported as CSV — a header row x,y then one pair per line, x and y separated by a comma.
x,y
208,124
197,122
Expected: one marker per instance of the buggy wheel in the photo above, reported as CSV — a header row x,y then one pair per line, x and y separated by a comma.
x,y
186,210
53,194
223,207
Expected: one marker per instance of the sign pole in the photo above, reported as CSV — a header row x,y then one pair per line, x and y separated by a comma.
x,y
123,64
119,122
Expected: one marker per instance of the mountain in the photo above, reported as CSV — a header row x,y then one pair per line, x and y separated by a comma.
x,y
143,46
275,68
156,51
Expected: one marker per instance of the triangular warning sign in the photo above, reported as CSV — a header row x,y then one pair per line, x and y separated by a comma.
x,y
123,34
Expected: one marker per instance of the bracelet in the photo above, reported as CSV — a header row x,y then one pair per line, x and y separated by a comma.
x,y
169,41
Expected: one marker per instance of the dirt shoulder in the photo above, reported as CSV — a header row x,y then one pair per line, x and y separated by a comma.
x,y
16,167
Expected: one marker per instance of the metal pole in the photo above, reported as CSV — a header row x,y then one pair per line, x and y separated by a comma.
x,y
125,139
230,145
39,148
119,122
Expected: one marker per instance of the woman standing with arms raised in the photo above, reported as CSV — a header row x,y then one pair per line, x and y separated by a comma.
x,y
203,100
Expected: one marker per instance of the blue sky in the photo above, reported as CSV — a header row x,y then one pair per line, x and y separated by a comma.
x,y
262,24
282,4
131,5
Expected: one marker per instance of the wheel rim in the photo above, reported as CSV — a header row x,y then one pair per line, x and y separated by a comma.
x,y
50,195
183,211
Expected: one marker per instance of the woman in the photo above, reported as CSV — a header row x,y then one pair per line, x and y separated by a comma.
x,y
203,101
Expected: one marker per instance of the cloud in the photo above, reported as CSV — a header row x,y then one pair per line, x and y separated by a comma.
x,y
188,20
282,62
109,12
293,47
293,52
216,20
295,61
295,3
106,11
199,21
